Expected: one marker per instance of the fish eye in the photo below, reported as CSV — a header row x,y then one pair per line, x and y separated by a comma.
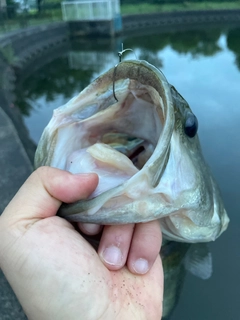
x,y
191,125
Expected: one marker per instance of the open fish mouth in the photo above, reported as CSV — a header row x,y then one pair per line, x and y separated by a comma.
x,y
115,141
145,150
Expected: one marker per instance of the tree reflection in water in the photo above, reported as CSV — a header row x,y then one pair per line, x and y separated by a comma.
x,y
54,78
234,44
57,78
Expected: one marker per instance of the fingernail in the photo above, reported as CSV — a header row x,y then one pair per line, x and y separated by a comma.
x,y
91,228
141,266
112,255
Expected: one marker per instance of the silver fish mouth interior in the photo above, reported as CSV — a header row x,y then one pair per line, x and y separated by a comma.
x,y
114,139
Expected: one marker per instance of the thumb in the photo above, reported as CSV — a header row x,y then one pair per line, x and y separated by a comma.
x,y
44,191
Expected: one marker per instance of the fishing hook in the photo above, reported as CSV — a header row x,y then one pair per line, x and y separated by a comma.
x,y
120,53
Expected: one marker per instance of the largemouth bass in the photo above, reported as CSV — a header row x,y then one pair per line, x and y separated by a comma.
x,y
135,130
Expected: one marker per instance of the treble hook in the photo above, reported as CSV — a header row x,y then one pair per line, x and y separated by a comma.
x,y
120,53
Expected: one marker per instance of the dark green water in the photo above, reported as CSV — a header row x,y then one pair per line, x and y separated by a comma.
x,y
204,66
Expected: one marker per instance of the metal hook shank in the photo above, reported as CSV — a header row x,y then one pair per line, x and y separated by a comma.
x,y
120,53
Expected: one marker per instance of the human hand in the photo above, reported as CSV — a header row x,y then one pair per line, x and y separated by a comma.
x,y
54,271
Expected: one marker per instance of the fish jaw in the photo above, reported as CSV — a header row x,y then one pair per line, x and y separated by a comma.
x,y
76,127
172,183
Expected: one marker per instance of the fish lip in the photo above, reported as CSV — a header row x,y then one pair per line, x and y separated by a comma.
x,y
156,164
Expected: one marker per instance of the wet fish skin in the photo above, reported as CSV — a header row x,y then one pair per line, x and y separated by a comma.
x,y
174,185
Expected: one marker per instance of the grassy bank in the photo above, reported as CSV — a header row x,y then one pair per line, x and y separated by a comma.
x,y
150,8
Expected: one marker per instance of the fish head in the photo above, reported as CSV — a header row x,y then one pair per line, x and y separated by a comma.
x,y
139,135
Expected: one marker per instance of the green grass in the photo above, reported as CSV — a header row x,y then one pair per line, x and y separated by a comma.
x,y
32,19
150,8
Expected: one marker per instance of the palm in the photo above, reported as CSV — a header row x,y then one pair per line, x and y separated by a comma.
x,y
57,275
76,274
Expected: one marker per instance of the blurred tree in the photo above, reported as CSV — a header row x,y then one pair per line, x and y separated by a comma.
x,y
233,44
39,3
11,8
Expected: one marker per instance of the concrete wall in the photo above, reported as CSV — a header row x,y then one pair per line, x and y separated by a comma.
x,y
22,47
21,53
178,19
139,22
102,28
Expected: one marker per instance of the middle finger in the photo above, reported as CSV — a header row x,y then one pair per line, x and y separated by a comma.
x,y
114,245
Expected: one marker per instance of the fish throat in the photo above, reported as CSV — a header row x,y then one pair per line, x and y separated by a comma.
x,y
114,139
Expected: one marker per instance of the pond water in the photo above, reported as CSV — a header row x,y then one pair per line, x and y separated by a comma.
x,y
204,66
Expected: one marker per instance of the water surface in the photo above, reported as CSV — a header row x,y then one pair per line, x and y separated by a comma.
x,y
204,66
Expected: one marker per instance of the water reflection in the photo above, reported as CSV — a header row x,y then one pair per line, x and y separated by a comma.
x,y
55,78
234,44
70,73
204,67
67,75
177,259
196,42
